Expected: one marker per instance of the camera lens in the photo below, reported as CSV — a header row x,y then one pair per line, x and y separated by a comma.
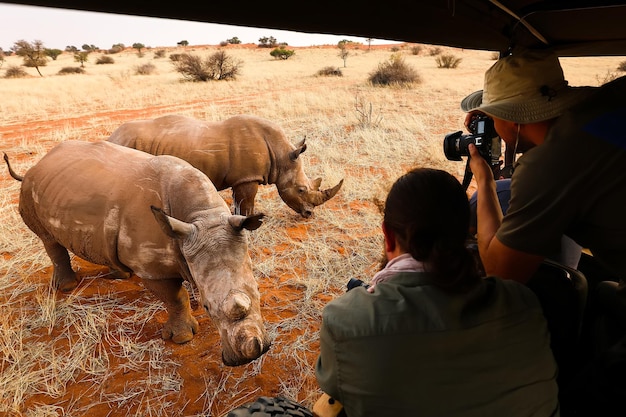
x,y
451,146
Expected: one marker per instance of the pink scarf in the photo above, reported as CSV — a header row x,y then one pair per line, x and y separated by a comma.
x,y
402,263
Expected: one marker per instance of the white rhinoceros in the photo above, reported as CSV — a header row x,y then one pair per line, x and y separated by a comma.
x,y
241,152
157,217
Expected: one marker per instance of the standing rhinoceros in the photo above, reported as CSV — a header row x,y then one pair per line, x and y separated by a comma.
x,y
157,217
240,152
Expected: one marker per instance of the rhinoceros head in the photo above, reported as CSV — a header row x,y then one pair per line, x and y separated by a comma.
x,y
295,188
216,253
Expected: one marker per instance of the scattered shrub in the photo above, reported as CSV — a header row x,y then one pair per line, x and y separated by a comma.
x,y
330,72
105,59
176,57
416,49
71,70
145,69
622,66
434,51
15,72
224,43
219,66
365,114
394,71
395,48
606,78
447,61
117,48
159,53
282,53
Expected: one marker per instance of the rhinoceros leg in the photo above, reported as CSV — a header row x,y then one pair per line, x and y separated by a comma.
x,y
181,325
63,277
243,196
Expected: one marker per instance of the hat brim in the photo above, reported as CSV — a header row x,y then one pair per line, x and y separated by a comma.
x,y
473,101
525,110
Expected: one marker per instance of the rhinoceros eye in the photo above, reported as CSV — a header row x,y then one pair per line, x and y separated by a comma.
x,y
302,190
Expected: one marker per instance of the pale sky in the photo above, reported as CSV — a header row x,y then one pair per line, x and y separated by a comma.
x,y
58,28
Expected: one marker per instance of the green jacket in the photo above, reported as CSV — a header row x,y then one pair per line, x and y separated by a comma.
x,y
410,349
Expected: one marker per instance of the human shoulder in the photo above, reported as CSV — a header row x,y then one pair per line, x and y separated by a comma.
x,y
511,293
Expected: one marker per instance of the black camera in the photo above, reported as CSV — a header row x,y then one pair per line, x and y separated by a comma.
x,y
355,282
483,135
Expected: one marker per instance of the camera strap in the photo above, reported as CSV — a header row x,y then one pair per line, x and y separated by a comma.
x,y
467,177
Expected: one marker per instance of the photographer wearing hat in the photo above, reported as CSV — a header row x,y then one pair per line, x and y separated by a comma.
x,y
571,178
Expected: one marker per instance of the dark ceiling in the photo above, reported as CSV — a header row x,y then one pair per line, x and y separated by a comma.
x,y
571,28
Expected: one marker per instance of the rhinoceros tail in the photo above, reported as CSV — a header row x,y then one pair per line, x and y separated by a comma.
x,y
13,173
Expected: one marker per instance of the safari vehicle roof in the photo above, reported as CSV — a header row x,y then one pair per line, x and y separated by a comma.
x,y
570,27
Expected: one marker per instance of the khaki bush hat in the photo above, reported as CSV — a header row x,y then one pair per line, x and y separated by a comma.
x,y
527,86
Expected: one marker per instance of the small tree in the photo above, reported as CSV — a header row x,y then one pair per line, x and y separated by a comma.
x,y
266,42
139,46
218,66
233,41
32,54
282,53
90,48
343,51
182,43
71,49
369,43
53,53
81,57
1,58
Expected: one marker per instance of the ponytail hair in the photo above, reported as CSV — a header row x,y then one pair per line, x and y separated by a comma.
x,y
428,210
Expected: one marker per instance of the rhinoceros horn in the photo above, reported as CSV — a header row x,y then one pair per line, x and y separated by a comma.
x,y
317,197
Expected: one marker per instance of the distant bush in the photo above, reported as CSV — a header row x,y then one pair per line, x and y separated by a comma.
x,y
330,72
105,59
145,69
416,49
159,53
394,72
219,66
117,48
15,72
224,43
434,51
176,57
282,53
622,66
447,61
71,70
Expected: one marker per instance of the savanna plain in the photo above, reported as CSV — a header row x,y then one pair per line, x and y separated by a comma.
x,y
98,351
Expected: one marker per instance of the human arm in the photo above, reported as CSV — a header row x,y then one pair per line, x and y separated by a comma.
x,y
498,259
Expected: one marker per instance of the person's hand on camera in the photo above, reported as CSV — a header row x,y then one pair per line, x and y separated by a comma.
x,y
480,168
471,116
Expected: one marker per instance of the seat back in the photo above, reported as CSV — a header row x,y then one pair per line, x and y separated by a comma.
x,y
562,292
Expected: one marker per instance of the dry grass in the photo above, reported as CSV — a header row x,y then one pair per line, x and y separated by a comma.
x,y
97,351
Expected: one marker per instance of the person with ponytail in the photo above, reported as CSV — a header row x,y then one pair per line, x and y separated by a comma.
x,y
430,337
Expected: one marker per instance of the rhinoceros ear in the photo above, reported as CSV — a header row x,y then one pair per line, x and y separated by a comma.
x,y
252,222
301,147
172,227
315,184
